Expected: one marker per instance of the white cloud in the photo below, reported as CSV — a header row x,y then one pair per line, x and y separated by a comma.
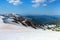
x,y
51,0
37,3
15,2
44,5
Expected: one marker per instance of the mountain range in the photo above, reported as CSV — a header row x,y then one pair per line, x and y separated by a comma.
x,y
30,20
43,19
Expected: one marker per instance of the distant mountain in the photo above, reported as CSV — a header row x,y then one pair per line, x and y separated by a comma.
x,y
57,22
42,19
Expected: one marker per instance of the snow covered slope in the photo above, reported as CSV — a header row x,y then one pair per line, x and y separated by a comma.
x,y
15,32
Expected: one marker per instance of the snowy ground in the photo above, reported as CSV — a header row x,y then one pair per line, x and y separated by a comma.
x,y
13,32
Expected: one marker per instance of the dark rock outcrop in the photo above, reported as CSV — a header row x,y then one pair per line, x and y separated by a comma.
x,y
25,21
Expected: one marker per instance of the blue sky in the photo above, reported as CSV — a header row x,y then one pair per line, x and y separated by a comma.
x,y
30,7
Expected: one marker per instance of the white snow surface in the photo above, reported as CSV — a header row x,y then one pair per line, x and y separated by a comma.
x,y
15,32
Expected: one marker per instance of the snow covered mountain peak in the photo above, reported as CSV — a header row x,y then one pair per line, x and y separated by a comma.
x,y
17,19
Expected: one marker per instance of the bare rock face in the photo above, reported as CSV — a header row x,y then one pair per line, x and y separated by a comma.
x,y
24,21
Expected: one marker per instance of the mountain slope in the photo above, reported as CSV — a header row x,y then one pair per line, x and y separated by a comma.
x,y
15,32
18,19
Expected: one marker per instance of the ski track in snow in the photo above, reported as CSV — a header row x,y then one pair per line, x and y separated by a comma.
x,y
13,32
